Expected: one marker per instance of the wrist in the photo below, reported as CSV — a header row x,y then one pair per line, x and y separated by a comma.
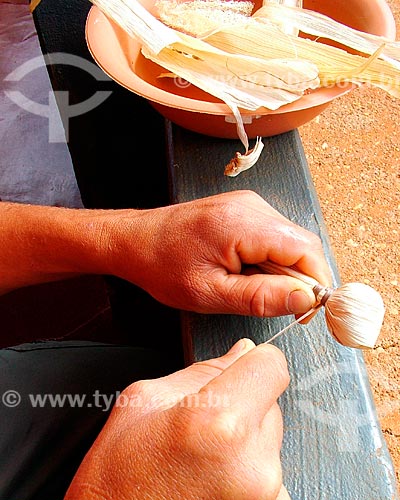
x,y
76,241
41,244
127,244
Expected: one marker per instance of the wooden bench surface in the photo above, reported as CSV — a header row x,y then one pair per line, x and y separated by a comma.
x,y
333,446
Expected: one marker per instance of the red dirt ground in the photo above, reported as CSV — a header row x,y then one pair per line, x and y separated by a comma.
x,y
353,149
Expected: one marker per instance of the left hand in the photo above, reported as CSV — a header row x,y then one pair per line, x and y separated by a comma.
x,y
193,255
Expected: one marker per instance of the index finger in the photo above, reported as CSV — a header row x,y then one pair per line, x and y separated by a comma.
x,y
302,249
285,243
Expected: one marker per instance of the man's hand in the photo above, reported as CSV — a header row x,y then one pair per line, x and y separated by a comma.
x,y
212,431
201,255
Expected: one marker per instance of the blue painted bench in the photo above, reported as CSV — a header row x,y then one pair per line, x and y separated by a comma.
x,y
333,446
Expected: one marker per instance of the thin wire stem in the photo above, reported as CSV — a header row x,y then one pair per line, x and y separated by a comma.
x,y
305,315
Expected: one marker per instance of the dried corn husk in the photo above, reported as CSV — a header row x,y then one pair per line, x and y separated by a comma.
x,y
335,65
319,25
241,81
240,162
383,72
256,62
201,17
288,28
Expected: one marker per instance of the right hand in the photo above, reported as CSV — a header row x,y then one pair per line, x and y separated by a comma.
x,y
212,431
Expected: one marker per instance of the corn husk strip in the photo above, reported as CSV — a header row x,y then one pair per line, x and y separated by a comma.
x,y
288,28
249,82
319,25
240,81
335,65
243,162
198,62
133,18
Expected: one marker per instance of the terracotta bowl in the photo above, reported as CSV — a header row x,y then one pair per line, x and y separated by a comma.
x,y
186,105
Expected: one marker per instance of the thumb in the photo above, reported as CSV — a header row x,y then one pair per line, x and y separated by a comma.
x,y
166,392
191,379
253,383
266,295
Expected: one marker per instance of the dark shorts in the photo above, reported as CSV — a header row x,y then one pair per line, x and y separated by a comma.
x,y
54,399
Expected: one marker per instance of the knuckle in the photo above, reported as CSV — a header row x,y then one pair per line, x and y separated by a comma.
x,y
141,388
212,431
258,301
277,364
227,428
315,241
270,483
248,193
263,484
253,478
259,477
258,307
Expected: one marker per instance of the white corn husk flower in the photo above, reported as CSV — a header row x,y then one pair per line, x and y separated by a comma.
x,y
354,312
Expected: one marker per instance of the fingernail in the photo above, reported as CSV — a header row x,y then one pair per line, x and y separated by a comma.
x,y
241,345
299,301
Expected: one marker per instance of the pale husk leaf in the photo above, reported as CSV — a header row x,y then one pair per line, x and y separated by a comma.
x,y
334,65
258,64
200,17
241,81
319,25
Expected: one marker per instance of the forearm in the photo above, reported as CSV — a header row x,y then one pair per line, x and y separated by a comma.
x,y
40,244
188,256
